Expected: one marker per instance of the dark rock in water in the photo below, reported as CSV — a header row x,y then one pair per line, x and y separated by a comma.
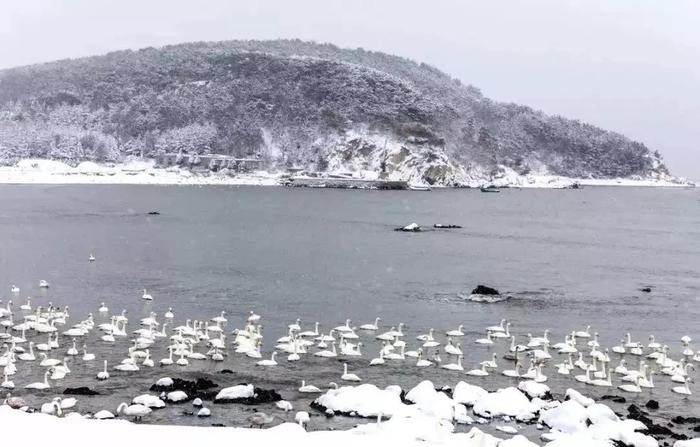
x,y
684,420
410,228
81,391
217,425
652,405
154,213
260,396
645,289
485,290
446,226
696,428
226,371
654,430
617,399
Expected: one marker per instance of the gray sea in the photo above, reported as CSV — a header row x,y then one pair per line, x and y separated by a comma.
x,y
569,258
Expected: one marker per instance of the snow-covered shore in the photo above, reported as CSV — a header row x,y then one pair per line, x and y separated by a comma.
x,y
144,172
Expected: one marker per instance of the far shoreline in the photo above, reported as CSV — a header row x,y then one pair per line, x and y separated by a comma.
x,y
144,172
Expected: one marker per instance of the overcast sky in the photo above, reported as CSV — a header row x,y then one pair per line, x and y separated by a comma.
x,y
627,65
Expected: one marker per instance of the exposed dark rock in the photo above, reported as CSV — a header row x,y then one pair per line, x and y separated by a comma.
x,y
654,430
446,226
154,213
81,391
617,399
645,289
226,371
684,420
410,228
484,290
186,385
652,405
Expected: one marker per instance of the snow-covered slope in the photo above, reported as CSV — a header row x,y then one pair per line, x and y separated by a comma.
x,y
294,103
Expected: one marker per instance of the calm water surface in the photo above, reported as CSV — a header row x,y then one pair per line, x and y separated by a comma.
x,y
570,258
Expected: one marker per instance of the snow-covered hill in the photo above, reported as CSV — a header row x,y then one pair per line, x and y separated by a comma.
x,y
294,103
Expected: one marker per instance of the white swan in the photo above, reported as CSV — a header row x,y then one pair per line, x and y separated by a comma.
x,y
14,289
52,407
454,366
40,385
683,389
583,334
371,326
378,360
453,349
456,332
28,356
619,349
43,284
481,372
73,350
485,341
268,362
28,305
146,296
512,372
103,309
498,328
103,375
91,258
630,388
422,363
86,355
326,353
349,377
168,360
7,383
138,411
304,388
169,314
302,418
45,361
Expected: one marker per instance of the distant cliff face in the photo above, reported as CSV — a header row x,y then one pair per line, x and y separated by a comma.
x,y
295,103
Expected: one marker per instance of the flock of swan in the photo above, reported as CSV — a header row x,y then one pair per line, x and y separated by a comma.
x,y
46,336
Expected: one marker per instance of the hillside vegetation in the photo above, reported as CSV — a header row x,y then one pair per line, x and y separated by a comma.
x,y
294,103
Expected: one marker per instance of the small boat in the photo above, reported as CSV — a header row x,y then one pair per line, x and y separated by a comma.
x,y
419,187
44,284
489,188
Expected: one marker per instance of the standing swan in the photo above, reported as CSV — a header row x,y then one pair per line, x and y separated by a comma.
x,y
103,375
146,296
270,362
349,377
40,385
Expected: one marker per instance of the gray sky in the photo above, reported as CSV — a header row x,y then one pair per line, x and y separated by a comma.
x,y
627,65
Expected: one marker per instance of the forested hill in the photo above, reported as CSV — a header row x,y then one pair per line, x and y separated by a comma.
x,y
294,103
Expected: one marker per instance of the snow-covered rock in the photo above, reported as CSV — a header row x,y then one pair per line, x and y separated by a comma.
x,y
468,394
235,392
365,400
504,402
533,389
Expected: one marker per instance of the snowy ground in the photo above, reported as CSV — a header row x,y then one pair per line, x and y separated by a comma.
x,y
576,422
34,171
